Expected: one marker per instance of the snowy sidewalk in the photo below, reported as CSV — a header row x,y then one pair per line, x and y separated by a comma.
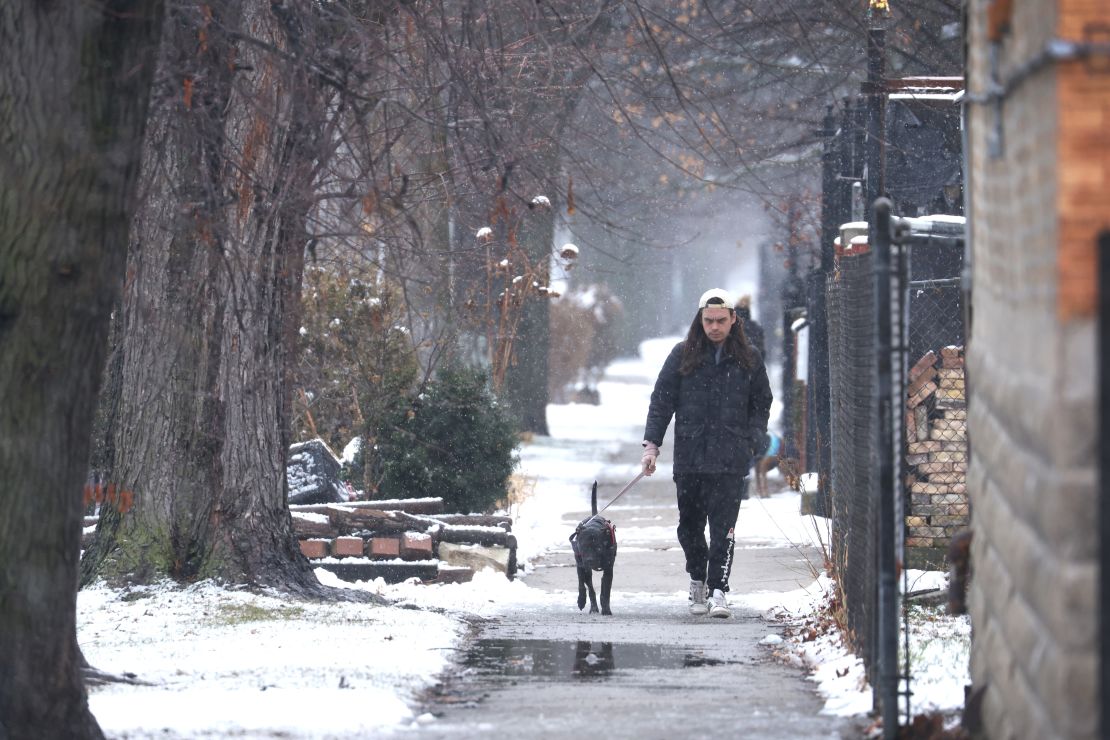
x,y
234,664
539,667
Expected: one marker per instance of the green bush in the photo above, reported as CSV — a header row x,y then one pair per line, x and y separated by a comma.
x,y
456,442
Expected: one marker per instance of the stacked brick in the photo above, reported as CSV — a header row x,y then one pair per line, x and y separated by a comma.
x,y
400,539
411,546
936,456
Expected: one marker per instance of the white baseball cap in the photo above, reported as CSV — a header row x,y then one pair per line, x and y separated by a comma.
x,y
717,295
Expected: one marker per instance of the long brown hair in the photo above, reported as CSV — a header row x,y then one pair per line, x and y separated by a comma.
x,y
696,346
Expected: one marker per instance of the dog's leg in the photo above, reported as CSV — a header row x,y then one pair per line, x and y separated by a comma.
x,y
765,466
606,589
583,576
590,587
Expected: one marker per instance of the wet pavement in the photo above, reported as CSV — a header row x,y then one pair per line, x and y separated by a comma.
x,y
649,671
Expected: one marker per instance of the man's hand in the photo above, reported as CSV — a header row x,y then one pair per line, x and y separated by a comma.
x,y
647,462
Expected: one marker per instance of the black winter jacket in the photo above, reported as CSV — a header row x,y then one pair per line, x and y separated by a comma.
x,y
720,412
753,331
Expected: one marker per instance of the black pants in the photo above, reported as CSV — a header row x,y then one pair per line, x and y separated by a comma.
x,y
716,499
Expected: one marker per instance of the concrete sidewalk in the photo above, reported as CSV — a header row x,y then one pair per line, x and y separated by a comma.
x,y
649,671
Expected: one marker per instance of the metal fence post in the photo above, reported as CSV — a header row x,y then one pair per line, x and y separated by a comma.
x,y
887,611
876,113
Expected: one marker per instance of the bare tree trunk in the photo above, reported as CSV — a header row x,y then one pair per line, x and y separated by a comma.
x,y
75,79
526,380
211,304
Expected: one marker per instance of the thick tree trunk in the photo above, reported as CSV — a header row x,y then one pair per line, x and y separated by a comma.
x,y
75,79
211,305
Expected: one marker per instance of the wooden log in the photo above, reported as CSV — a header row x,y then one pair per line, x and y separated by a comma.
x,y
407,505
346,519
313,525
476,520
485,536
437,524
421,522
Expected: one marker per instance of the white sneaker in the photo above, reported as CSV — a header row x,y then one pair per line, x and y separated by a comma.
x,y
718,606
698,592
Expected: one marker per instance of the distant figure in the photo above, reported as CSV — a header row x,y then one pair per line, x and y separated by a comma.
x,y
752,330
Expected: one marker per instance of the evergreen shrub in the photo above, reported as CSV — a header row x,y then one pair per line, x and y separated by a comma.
x,y
456,442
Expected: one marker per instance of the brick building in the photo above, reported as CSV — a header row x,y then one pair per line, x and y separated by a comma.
x,y
1039,163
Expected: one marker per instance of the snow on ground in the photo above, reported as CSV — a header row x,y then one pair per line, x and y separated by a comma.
x,y
231,663
220,662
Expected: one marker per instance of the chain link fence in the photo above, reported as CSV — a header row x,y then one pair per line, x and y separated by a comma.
x,y
930,434
852,379
934,460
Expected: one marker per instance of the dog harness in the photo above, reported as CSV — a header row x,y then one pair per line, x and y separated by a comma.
x,y
611,545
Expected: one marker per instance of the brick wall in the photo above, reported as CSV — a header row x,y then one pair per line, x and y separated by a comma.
x,y
1034,212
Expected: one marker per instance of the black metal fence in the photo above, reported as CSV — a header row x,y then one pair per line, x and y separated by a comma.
x,y
881,312
898,434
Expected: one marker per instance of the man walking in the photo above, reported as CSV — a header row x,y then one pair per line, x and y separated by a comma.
x,y
714,384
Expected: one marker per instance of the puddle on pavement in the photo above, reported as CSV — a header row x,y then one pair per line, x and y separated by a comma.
x,y
562,660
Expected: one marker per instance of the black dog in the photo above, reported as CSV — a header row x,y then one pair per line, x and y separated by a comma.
x,y
595,548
